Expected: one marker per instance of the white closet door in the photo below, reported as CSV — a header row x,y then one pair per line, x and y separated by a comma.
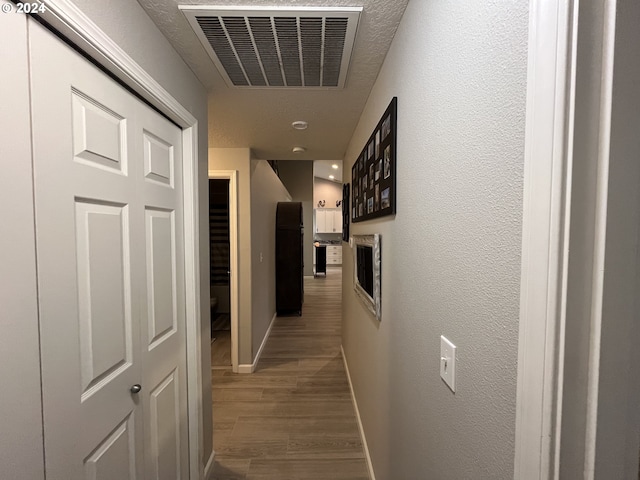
x,y
161,251
108,226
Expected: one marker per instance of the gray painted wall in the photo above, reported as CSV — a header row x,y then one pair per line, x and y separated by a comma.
x,y
618,440
601,394
239,159
451,255
297,177
326,190
266,191
618,418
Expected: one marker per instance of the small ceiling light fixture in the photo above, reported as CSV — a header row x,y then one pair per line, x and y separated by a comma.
x,y
334,166
300,125
332,177
298,149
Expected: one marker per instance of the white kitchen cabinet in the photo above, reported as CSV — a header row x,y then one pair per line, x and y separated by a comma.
x,y
321,220
328,220
334,255
337,220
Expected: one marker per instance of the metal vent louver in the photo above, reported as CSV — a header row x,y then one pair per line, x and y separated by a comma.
x,y
277,47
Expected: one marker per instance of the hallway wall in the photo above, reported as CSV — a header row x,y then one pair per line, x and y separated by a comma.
x,y
240,159
451,254
259,189
617,438
326,190
297,177
266,191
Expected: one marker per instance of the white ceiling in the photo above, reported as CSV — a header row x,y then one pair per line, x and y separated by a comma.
x,y
324,168
261,118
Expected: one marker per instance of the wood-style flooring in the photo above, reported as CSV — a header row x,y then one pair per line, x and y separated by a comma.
x,y
221,349
293,418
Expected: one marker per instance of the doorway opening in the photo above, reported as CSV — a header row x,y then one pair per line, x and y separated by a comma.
x,y
219,272
223,268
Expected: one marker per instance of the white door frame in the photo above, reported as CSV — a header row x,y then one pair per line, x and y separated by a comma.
x,y
561,308
80,30
546,198
232,176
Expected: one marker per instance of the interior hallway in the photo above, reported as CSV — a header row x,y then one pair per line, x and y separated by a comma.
x,y
292,419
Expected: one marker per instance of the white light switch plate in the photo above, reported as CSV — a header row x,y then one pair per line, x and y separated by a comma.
x,y
448,362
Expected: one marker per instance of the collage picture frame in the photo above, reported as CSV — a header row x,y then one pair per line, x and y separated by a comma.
x,y
373,175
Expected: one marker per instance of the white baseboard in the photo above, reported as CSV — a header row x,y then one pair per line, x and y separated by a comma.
x,y
208,469
251,367
365,447
245,368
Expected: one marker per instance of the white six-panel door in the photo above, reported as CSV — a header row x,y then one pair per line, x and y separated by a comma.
x,y
108,194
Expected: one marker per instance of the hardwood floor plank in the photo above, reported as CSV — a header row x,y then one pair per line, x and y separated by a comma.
x,y
306,393
231,468
268,426
314,446
250,447
221,349
236,394
293,419
310,469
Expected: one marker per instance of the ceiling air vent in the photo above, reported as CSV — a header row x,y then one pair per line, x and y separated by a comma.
x,y
299,47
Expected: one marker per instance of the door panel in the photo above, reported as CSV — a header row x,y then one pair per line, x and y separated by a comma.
x,y
98,134
115,456
165,423
110,265
103,292
84,227
161,277
158,160
163,315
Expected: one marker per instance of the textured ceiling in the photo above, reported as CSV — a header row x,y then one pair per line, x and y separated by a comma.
x,y
261,119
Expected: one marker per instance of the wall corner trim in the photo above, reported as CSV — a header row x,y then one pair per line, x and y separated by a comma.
x,y
365,446
74,25
208,469
547,158
250,368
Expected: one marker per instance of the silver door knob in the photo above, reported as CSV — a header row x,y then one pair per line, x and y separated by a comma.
x,y
136,388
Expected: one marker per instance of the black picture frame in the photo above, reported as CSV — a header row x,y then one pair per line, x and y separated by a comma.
x,y
346,206
373,174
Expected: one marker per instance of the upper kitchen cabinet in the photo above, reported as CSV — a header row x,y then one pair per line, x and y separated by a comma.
x,y
328,220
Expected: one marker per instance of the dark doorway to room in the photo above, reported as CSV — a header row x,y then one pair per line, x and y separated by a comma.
x,y
219,255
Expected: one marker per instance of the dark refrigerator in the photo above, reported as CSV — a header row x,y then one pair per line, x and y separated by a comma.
x,y
289,258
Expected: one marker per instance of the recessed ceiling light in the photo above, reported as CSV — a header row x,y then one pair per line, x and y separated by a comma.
x,y
334,166
331,177
300,125
298,149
